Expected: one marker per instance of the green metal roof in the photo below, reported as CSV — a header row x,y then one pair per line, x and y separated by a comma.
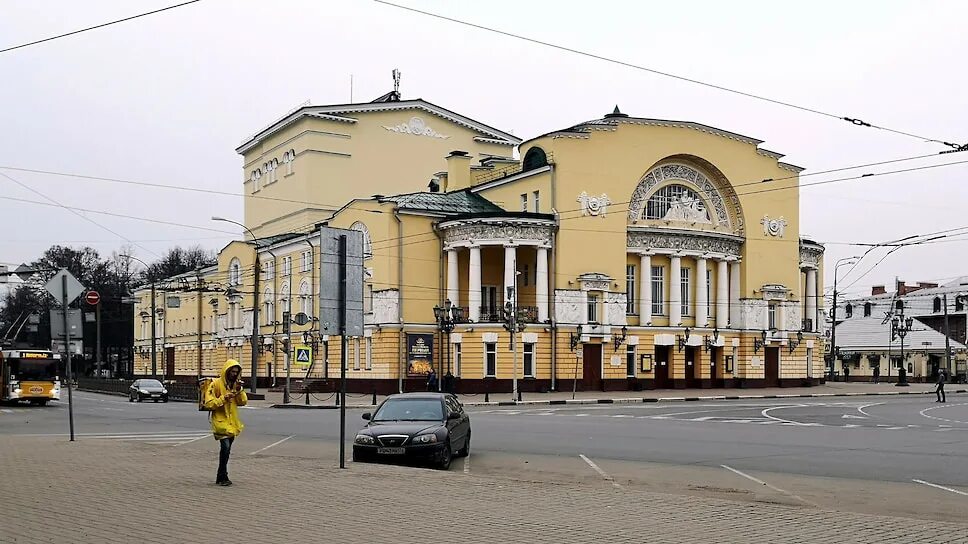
x,y
454,203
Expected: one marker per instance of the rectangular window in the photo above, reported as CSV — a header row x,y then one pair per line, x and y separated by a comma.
x,y
593,308
772,316
528,360
709,292
685,292
658,290
524,202
307,261
287,266
537,206
369,353
630,361
457,358
270,270
490,360
630,289
356,353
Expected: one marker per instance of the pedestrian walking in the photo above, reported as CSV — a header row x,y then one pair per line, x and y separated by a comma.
x,y
223,398
939,391
431,380
877,374
846,373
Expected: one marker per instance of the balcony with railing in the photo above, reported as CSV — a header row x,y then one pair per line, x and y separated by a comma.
x,y
494,314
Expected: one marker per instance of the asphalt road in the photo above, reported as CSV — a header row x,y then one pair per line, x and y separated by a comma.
x,y
877,443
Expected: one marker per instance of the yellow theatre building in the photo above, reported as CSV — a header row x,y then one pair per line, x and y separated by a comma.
x,y
638,254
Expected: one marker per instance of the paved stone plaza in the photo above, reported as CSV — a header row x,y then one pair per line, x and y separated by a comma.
x,y
96,491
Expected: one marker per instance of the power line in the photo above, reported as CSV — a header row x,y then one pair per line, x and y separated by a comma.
x,y
102,25
851,120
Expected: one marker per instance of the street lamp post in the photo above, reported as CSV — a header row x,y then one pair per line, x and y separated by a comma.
x,y
447,316
253,387
154,316
833,316
902,326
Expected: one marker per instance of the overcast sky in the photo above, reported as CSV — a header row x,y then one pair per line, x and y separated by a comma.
x,y
166,99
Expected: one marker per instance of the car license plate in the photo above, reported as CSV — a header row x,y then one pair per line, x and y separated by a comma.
x,y
390,451
155,395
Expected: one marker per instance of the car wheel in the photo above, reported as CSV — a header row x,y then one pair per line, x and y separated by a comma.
x,y
130,398
445,458
466,450
140,399
164,400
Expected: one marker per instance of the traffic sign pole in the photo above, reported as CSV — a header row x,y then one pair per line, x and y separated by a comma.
x,y
97,319
67,350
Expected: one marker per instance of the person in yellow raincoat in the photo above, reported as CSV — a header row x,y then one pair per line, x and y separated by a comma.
x,y
222,399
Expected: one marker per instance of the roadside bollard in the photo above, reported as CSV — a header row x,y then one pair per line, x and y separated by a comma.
x,y
337,397
374,396
487,397
307,397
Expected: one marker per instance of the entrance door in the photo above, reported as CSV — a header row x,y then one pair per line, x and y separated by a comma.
x,y
170,363
662,367
693,368
772,369
592,366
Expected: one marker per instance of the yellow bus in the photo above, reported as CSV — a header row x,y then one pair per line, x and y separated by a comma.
x,y
31,375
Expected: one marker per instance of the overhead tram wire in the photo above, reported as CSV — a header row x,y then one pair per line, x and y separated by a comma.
x,y
102,25
75,212
851,120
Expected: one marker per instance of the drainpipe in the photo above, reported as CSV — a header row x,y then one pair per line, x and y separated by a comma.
x,y
401,351
554,286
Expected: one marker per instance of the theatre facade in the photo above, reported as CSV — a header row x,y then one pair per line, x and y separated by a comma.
x,y
635,254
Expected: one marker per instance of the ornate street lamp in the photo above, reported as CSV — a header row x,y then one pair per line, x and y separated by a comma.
x,y
795,343
683,340
759,343
711,343
621,339
447,316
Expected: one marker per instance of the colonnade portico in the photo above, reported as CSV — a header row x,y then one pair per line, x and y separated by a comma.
x,y
811,255
706,312
509,234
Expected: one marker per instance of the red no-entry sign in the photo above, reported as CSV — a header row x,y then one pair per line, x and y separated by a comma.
x,y
92,298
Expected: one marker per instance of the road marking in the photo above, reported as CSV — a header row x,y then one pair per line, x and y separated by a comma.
x,y
941,487
848,416
861,408
922,412
774,488
190,441
273,444
600,472
766,414
467,463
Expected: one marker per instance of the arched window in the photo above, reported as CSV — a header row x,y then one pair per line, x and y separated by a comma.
x,y
273,166
867,309
284,298
937,305
288,158
305,298
367,244
848,310
235,272
534,158
268,307
676,203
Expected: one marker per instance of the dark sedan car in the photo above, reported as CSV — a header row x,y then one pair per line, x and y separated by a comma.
x,y
419,427
142,390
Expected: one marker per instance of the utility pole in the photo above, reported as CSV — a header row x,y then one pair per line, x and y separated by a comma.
x,y
833,318
67,352
947,336
342,352
154,325
97,325
200,288
287,357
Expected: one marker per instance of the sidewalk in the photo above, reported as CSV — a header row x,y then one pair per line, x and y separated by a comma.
x,y
356,400
98,491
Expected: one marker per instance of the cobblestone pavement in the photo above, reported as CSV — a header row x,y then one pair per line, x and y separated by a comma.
x,y
92,491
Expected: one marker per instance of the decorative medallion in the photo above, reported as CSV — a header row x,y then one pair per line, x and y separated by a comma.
x,y
593,205
774,227
418,127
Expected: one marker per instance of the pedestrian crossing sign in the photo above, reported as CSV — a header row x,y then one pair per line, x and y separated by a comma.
x,y
304,355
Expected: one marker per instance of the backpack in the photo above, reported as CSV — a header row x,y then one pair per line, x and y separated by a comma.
x,y
204,384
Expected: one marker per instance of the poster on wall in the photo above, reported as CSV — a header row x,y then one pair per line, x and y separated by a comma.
x,y
420,354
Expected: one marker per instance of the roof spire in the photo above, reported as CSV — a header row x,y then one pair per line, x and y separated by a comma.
x,y
615,113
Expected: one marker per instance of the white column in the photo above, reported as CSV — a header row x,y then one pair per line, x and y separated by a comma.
x,y
510,254
474,285
722,294
675,290
702,312
541,288
734,313
645,290
811,297
453,293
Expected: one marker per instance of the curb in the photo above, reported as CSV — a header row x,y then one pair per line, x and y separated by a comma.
x,y
634,400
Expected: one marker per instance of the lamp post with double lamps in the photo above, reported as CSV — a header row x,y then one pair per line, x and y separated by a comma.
x,y
151,278
901,326
833,315
447,317
253,388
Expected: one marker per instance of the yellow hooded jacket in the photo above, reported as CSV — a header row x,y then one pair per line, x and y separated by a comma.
x,y
224,414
